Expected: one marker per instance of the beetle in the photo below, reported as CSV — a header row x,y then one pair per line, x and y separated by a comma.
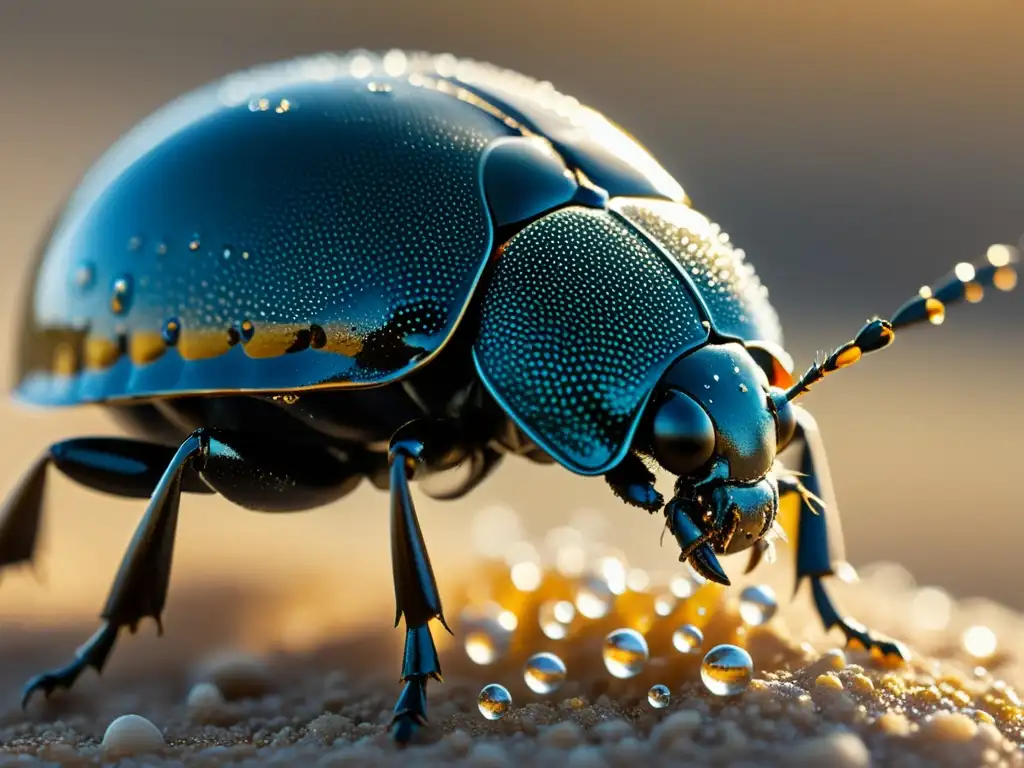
x,y
350,267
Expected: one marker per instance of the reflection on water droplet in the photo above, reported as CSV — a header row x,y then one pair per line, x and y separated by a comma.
x,y
554,618
683,587
659,696
85,276
494,701
613,570
378,88
665,603
121,295
625,653
171,332
980,641
194,243
758,605
526,576
594,598
638,580
688,639
544,673
482,647
726,670
488,630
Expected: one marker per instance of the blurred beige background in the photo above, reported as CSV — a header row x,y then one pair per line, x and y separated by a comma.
x,y
855,150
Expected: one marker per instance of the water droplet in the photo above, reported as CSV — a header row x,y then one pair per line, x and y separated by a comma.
x,y
688,639
665,603
245,255
683,587
227,252
659,696
544,673
246,330
134,243
487,629
715,377
594,598
625,653
526,576
980,641
171,332
743,387
482,646
121,295
726,670
554,618
161,249
194,243
494,701
758,604
85,276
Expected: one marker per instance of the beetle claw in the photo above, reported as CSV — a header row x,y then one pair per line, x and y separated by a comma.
x,y
705,562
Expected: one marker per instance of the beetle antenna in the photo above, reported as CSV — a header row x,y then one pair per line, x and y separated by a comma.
x,y
966,283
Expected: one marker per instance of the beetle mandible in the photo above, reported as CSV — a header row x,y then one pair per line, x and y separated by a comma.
x,y
357,267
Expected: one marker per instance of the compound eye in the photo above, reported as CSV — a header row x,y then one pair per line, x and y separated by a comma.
x,y
682,435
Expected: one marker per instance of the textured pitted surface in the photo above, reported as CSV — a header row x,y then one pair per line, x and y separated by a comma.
x,y
731,290
325,232
312,221
581,319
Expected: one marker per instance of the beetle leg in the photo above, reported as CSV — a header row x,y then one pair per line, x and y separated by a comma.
x,y
817,547
120,466
140,587
417,445
633,482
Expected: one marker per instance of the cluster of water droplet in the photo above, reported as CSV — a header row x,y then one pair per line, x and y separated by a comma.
x,y
566,589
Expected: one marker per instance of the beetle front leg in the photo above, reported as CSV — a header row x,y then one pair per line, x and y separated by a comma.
x,y
817,550
419,445
633,482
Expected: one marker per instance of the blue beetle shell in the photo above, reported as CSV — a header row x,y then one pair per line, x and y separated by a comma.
x,y
324,223
320,222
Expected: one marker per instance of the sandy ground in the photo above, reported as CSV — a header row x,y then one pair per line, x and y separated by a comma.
x,y
809,704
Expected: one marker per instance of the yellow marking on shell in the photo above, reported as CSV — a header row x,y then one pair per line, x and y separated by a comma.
x,y
341,341
203,343
145,347
65,360
974,292
100,353
936,311
848,356
887,333
1005,278
272,340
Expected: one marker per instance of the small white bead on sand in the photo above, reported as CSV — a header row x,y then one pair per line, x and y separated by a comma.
x,y
205,696
131,735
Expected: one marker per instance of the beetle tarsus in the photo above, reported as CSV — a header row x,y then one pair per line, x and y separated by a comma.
x,y
93,654
416,595
856,633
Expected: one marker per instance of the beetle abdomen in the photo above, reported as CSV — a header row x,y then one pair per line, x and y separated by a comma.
x,y
324,232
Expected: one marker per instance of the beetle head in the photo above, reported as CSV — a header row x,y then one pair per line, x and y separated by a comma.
x,y
716,425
